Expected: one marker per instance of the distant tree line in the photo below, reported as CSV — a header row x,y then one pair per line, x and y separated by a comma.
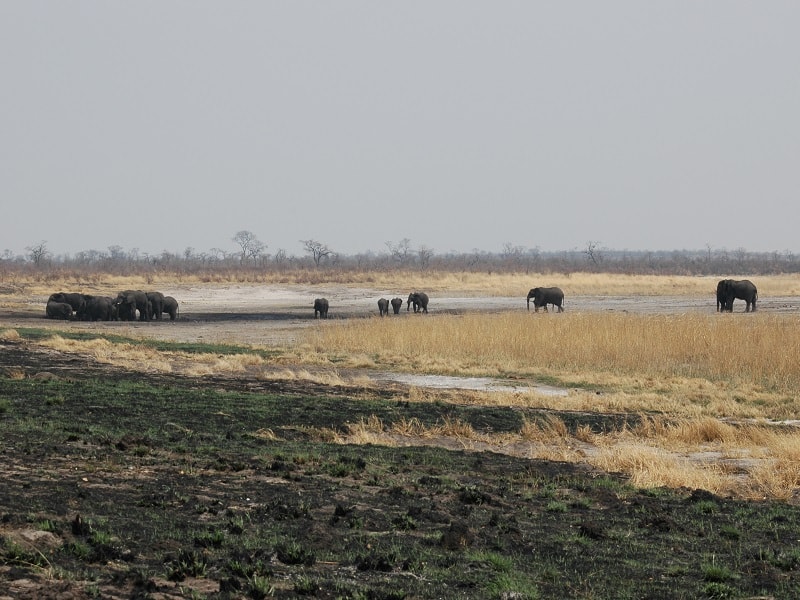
x,y
251,256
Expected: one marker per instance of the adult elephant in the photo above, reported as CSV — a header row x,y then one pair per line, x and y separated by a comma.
x,y
170,307
729,289
397,304
58,310
419,300
128,302
320,308
542,296
76,301
156,304
383,307
98,308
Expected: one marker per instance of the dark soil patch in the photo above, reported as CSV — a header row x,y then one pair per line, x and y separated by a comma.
x,y
168,486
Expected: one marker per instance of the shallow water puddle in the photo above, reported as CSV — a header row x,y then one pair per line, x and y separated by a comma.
x,y
481,384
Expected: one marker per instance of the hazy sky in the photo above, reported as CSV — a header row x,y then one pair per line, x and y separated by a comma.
x,y
456,124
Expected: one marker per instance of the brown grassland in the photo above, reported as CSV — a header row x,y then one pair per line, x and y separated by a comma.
x,y
693,400
718,390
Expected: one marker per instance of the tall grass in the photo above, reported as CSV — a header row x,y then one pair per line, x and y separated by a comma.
x,y
761,351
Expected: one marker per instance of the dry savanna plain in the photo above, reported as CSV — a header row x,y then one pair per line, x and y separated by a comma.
x,y
638,445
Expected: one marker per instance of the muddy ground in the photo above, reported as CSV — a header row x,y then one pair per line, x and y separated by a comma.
x,y
273,315
118,484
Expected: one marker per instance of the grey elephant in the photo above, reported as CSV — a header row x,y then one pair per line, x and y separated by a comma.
x,y
419,300
320,308
170,307
75,300
397,304
58,310
156,300
542,296
383,307
98,308
729,289
130,301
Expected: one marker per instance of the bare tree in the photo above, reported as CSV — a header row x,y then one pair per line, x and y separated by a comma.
x,y
593,253
425,254
317,250
250,246
512,255
38,253
401,252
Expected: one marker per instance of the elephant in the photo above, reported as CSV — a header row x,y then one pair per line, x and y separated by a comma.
x,y
419,300
58,310
156,300
98,308
75,300
397,304
729,289
128,302
320,308
170,307
383,306
544,296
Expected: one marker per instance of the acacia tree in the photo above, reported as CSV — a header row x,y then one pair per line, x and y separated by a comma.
x,y
317,250
250,246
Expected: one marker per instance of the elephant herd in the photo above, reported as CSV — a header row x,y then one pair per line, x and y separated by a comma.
x,y
129,305
419,300
728,290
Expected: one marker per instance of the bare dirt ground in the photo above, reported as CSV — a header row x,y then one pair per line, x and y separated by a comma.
x,y
273,315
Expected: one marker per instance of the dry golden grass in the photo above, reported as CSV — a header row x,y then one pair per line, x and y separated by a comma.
x,y
746,461
468,284
145,359
693,370
716,361
10,335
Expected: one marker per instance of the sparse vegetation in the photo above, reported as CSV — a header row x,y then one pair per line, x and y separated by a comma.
x,y
227,470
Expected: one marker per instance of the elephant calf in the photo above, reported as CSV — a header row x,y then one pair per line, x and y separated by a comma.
x,y
76,301
544,296
320,308
170,307
397,304
58,310
383,307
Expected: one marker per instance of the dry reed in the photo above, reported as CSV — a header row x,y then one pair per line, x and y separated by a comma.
x,y
759,352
